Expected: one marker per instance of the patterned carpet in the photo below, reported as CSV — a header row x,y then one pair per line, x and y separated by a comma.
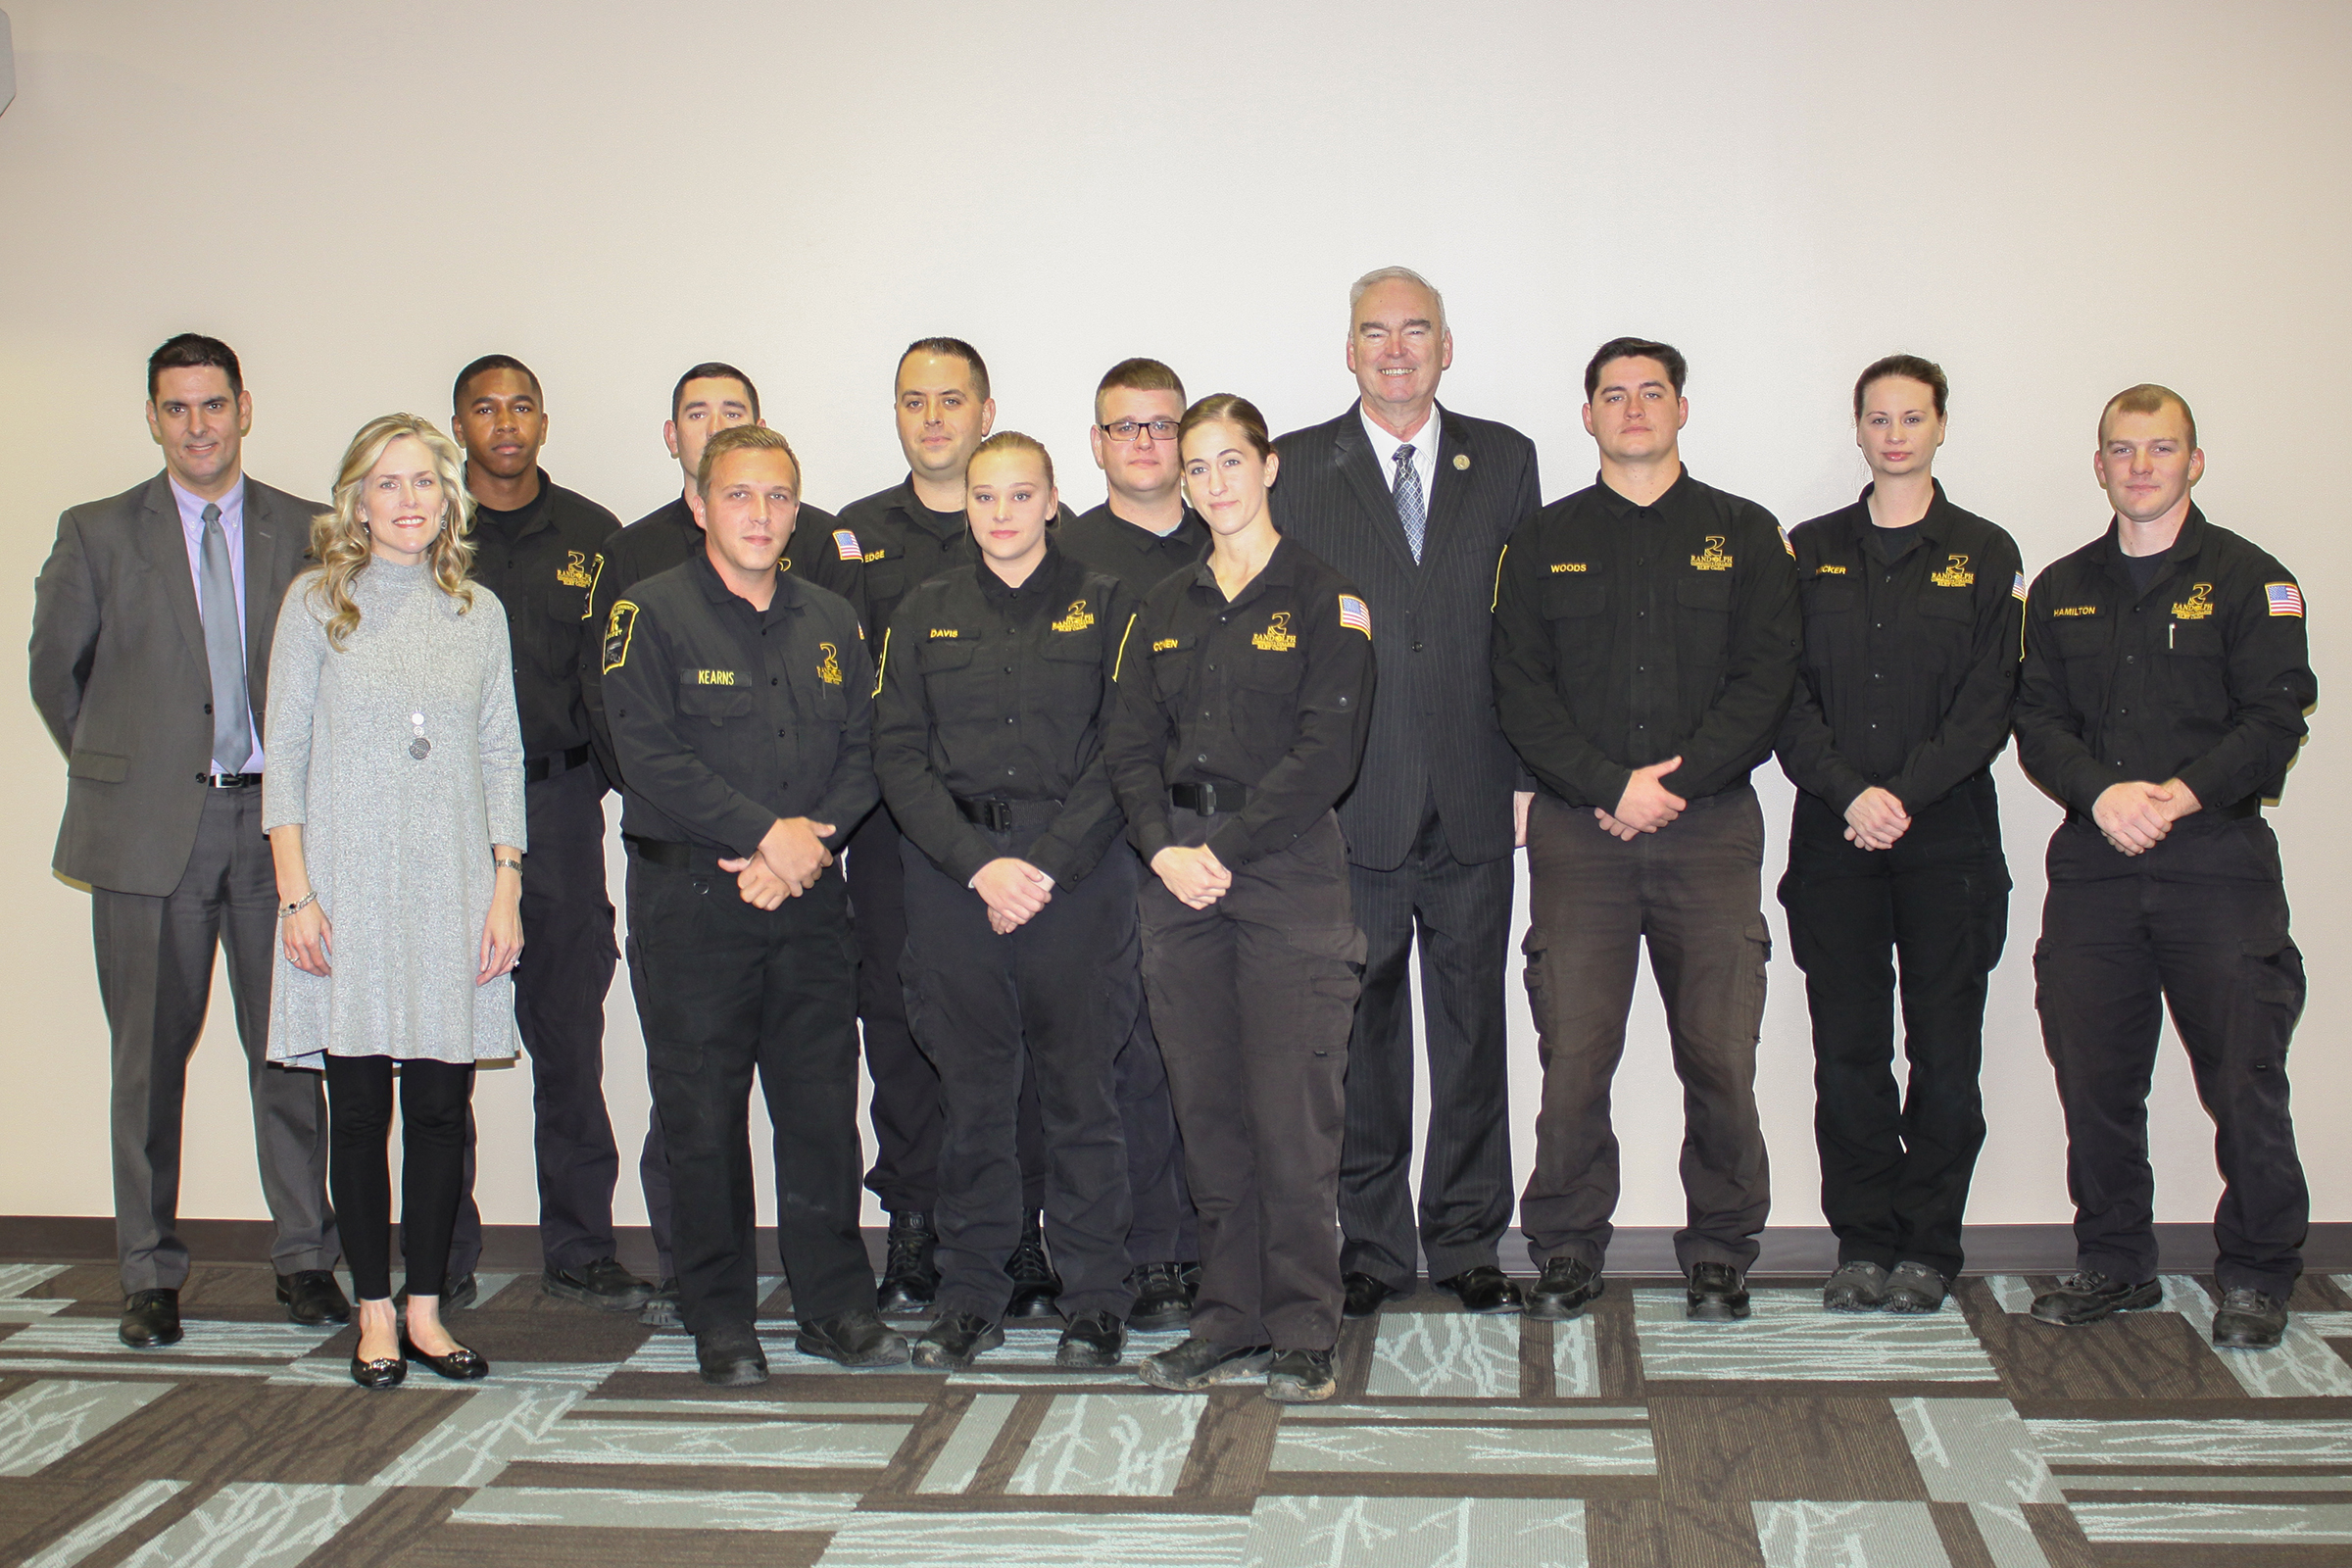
x,y
1975,1439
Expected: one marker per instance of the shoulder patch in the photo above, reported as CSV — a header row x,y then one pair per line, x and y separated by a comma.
x,y
1355,615
596,574
2017,590
1788,544
2284,599
844,545
620,627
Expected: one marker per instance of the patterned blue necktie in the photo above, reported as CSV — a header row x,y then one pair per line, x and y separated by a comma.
x,y
1412,508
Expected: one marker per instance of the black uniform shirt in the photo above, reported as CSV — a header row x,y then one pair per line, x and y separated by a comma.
x,y
541,562
1625,635
2203,677
1910,663
1270,690
1138,557
726,717
905,544
669,536
997,692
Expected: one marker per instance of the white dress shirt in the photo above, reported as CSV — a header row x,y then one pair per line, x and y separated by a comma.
x,y
1424,451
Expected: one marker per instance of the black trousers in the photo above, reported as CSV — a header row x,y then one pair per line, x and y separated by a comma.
x,y
559,992
435,1100
1462,915
653,1159
1895,1162
1166,1229
733,991
2198,923
904,1108
1692,891
1051,995
1253,999
154,975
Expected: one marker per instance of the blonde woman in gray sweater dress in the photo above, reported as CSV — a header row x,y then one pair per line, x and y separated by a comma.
x,y
394,806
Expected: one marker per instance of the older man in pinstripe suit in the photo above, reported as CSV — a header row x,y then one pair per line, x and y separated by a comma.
x,y
1413,503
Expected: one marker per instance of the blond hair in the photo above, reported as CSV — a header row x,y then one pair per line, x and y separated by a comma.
x,y
1014,441
339,540
744,438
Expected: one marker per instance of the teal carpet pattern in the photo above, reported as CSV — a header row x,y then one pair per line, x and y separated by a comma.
x,y
1972,1439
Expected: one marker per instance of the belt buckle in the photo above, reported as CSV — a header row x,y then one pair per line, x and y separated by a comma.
x,y
1208,799
1000,816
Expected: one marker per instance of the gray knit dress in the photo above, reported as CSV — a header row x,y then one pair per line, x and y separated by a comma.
x,y
397,844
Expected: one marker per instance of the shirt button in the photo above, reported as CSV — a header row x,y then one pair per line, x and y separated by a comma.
x,y
1008,719
779,734
1203,756
1416,647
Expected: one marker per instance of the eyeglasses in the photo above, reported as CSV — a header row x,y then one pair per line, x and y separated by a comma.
x,y
1126,430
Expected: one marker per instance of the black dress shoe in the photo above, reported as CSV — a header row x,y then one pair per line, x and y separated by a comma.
x,y
855,1338
460,1365
730,1357
1566,1288
455,1295
909,1277
150,1319
1198,1363
1717,1294
1092,1339
1161,1302
1300,1377
1485,1290
2248,1320
1914,1290
388,1373
1035,1284
660,1309
603,1284
313,1299
955,1339
1364,1295
2089,1295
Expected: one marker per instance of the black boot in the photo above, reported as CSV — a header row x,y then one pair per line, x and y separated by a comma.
x,y
909,1275
1035,1284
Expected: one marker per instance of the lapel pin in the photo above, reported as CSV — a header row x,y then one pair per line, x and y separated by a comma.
x,y
1461,460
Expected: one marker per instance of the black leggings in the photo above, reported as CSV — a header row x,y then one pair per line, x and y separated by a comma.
x,y
434,1097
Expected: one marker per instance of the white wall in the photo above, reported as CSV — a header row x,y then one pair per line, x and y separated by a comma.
x,y
2055,201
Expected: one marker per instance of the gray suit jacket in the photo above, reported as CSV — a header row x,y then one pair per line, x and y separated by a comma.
x,y
1434,735
121,678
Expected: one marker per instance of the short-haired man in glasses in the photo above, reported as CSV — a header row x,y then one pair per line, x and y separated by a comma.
x,y
1142,533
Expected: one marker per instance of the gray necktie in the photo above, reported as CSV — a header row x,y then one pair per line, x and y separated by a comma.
x,y
1412,508
225,650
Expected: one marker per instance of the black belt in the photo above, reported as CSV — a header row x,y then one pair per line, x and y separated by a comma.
x,y
672,856
228,781
554,762
1002,816
1208,799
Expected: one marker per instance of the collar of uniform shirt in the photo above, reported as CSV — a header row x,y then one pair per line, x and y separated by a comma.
x,y
1425,449
1931,530
2185,543
1276,569
1675,494
996,587
788,597
922,516
523,519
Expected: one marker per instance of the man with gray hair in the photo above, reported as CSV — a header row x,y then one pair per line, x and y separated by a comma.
x,y
1413,503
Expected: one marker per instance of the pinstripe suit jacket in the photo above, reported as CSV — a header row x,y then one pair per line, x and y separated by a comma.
x,y
1433,730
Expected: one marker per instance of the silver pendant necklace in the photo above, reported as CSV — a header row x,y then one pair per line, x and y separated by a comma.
x,y
420,747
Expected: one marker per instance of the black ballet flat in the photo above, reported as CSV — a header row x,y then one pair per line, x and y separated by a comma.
x,y
460,1365
387,1373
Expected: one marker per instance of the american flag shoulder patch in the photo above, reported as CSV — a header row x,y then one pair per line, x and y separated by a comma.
x,y
1356,613
844,545
1788,544
2285,598
2017,589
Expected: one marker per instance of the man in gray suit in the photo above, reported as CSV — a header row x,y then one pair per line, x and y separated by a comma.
x,y
1413,503
151,629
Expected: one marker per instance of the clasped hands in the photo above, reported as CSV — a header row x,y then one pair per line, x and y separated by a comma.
x,y
1196,876
1646,805
1013,891
789,860
2136,816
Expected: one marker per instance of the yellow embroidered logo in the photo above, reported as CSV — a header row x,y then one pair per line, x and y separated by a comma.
x,y
620,627
1825,569
828,668
2071,611
1077,619
714,677
1955,576
945,631
1559,567
1277,638
1163,645
872,556
1712,558
574,572
2197,606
